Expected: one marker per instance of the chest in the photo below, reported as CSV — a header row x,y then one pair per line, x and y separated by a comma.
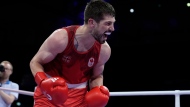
x,y
81,46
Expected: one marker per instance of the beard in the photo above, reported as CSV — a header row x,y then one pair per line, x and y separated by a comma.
x,y
97,36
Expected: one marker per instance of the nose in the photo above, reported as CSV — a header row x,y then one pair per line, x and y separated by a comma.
x,y
112,28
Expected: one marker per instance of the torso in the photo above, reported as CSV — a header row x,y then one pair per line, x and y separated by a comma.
x,y
75,63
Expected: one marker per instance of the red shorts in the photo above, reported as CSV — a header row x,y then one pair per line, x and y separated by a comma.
x,y
75,98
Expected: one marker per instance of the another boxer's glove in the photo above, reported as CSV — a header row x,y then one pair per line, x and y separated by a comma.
x,y
97,97
54,88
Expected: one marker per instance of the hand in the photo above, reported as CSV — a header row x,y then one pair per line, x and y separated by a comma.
x,y
97,97
54,88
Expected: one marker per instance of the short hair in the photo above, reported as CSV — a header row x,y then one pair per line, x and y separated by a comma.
x,y
96,9
8,62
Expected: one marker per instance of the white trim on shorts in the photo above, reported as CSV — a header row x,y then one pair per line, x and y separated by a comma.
x,y
77,86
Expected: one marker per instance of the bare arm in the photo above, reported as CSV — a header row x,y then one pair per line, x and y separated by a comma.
x,y
6,97
97,78
54,44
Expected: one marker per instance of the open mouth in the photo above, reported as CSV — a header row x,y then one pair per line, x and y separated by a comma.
x,y
106,34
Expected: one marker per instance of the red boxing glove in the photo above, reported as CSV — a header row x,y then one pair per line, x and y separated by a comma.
x,y
97,97
54,88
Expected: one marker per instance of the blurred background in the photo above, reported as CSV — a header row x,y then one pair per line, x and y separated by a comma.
x,y
150,45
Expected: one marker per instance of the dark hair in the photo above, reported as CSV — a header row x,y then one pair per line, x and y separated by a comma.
x,y
96,9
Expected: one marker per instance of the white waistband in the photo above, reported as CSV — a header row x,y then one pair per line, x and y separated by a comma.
x,y
80,85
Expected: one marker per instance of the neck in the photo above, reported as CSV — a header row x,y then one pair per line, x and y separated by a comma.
x,y
85,33
3,80
83,39
84,30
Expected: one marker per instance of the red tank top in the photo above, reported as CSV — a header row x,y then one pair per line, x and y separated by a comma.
x,y
75,67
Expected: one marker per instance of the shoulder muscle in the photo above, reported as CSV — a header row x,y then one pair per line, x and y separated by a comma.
x,y
54,44
105,53
57,41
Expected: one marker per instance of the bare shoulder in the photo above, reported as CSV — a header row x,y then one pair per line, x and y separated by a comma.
x,y
105,48
57,41
105,52
58,35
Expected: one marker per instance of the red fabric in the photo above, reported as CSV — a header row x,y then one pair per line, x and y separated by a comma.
x,y
75,67
75,99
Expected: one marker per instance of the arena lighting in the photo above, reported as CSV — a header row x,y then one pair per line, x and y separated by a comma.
x,y
188,4
132,10
18,104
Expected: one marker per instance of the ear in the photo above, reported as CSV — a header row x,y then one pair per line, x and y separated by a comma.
x,y
11,72
91,22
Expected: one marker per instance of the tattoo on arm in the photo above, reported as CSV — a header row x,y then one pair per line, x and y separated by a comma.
x,y
76,45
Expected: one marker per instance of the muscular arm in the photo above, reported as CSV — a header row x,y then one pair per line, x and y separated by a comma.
x,y
97,78
53,45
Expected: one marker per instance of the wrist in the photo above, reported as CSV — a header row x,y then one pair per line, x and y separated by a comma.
x,y
39,77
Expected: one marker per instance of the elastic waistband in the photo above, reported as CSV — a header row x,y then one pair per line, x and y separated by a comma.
x,y
77,86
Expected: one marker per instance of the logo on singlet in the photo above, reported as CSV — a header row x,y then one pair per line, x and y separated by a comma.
x,y
90,62
66,59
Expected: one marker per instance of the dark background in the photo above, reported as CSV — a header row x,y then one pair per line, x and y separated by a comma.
x,y
150,47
